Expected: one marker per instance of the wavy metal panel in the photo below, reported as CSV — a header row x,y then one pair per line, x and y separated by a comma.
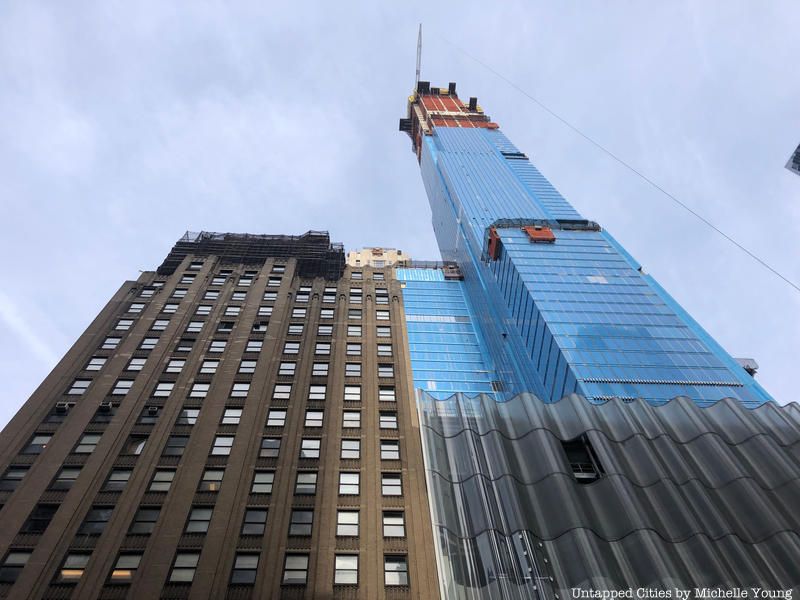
x,y
690,496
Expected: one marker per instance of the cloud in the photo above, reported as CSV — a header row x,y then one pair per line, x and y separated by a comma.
x,y
24,333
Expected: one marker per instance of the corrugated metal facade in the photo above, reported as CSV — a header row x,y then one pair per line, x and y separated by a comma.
x,y
691,497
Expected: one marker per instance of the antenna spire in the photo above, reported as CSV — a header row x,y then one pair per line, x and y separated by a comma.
x,y
419,54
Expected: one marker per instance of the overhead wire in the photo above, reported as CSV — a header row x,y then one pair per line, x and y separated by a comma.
x,y
627,165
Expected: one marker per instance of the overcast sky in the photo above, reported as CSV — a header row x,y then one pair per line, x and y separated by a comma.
x,y
123,124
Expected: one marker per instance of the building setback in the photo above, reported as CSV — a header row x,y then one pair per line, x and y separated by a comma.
x,y
238,424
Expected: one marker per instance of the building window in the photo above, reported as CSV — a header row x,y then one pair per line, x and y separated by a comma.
x,y
136,364
162,480
184,567
163,389
325,330
388,420
390,450
295,569
199,390
96,520
309,447
231,416
299,313
211,481
326,313
136,307
240,390
291,348
356,275
194,326
274,282
381,297
179,293
14,562
314,418
169,308
148,416
245,281
319,369
196,265
278,268
175,445
351,449
317,392
148,343
262,482
378,276
395,570
218,280
122,387
394,524
306,483
382,331
352,393
238,297
145,520
124,324
270,296
175,365
346,569
254,346
295,329
391,484
65,478
73,567
233,311
255,520
381,315
353,349
209,366
135,445
160,324
384,349
125,567
199,519
322,348
352,370
79,387
222,445
217,346
287,369
187,416
301,522
349,483
245,567
270,447
347,523
225,326
351,419
110,343
276,417
117,480
282,391
354,313
39,519
187,278
385,370
12,477
37,444
184,345
95,363
87,443
386,393
582,459
354,330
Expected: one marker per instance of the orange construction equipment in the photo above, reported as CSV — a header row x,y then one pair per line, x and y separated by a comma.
x,y
540,234
494,243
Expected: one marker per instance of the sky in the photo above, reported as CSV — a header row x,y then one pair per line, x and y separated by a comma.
x,y
124,124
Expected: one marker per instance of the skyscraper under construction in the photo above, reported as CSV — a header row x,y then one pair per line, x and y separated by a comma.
x,y
533,415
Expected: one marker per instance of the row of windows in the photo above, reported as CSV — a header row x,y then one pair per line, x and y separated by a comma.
x,y
218,346
245,568
276,417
